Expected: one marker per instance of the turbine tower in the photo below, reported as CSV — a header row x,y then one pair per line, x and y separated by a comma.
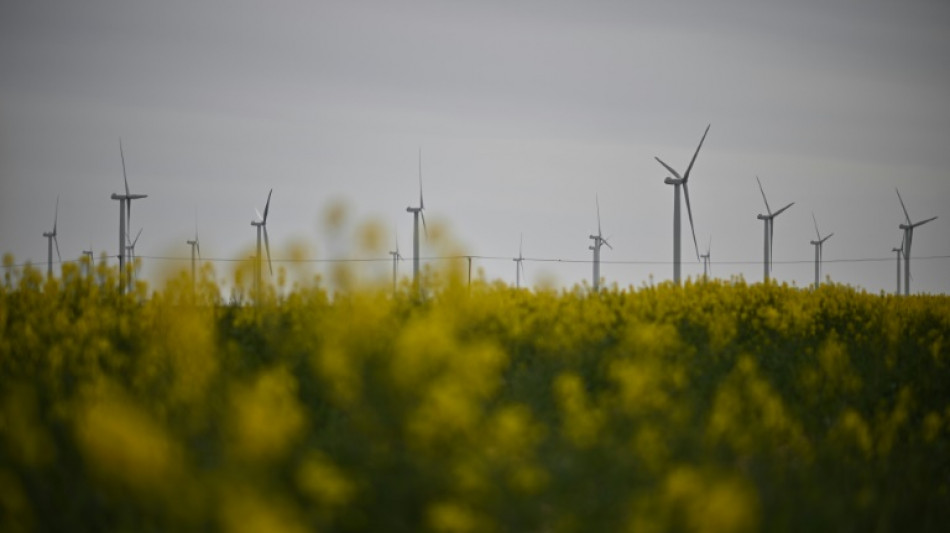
x,y
818,246
707,268
676,182
769,228
396,257
194,247
50,241
908,240
599,241
900,252
261,225
416,213
125,218
519,263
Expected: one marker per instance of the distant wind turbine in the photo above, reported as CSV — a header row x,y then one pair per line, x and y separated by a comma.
x,y
416,213
818,244
769,228
908,240
131,249
50,241
519,263
396,258
195,247
707,268
261,225
90,262
599,241
125,217
676,182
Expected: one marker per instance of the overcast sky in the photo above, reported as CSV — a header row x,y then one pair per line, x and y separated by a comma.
x,y
524,110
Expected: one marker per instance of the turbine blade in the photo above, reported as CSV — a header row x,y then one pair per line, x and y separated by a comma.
x,y
597,200
267,245
520,245
267,206
56,215
813,219
921,223
124,177
906,215
689,211
607,243
827,237
424,228
690,167
779,212
709,246
56,242
137,237
198,247
767,208
421,201
669,168
259,215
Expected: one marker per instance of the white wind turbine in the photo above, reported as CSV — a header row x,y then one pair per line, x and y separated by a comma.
x,y
125,217
707,267
519,263
261,225
416,213
131,250
676,182
195,247
900,252
396,258
818,244
769,228
90,262
50,241
599,241
908,240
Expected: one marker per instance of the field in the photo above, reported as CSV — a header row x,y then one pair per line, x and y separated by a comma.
x,y
717,406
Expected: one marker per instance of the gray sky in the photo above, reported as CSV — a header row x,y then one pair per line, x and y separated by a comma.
x,y
524,110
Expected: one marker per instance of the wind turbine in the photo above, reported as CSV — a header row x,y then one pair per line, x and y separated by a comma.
x,y
416,212
132,250
396,258
908,240
707,268
194,247
769,228
900,252
818,246
599,241
519,263
50,241
125,217
261,225
91,261
676,182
